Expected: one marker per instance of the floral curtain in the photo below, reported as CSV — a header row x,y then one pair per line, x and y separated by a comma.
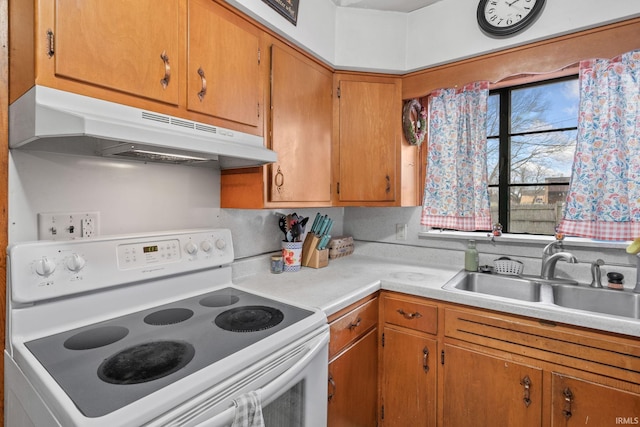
x,y
456,194
604,195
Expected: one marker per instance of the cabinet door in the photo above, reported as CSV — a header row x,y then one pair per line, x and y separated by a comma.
x,y
576,402
369,141
409,379
223,72
487,391
353,384
119,44
301,112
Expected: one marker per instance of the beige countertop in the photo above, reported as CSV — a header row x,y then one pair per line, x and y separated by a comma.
x,y
348,279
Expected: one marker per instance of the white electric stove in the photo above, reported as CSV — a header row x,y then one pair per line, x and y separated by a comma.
x,y
150,330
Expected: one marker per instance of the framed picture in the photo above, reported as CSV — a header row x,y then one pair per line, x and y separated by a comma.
x,y
286,8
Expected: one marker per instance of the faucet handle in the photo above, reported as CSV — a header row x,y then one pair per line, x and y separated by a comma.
x,y
596,274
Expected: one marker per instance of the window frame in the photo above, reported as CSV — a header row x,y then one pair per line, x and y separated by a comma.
x,y
505,136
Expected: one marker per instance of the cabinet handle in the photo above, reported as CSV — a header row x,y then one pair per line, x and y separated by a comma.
x,y
352,326
278,180
203,90
425,359
409,316
388,189
51,43
568,399
526,382
333,388
167,70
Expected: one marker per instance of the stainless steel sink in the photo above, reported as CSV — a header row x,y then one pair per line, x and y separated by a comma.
x,y
513,287
618,303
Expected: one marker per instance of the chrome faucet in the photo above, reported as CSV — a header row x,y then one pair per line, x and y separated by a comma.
x,y
549,263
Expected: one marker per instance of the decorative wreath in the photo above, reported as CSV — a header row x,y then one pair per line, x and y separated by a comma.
x,y
414,121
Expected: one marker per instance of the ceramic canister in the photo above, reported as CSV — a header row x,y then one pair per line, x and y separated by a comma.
x,y
292,255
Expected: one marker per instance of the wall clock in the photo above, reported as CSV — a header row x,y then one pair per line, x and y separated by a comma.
x,y
507,17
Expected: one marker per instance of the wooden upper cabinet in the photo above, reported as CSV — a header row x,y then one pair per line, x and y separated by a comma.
x,y
223,71
299,126
132,47
368,140
373,165
300,129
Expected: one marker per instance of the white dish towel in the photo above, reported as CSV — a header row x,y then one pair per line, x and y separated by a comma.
x,y
248,411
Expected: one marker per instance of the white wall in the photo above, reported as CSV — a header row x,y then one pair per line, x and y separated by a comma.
x,y
447,30
135,197
359,39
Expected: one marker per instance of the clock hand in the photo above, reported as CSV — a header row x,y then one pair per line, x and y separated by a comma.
x,y
512,3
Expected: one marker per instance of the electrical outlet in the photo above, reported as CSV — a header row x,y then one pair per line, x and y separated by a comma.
x,y
401,231
68,226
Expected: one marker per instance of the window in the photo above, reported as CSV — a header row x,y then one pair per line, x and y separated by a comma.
x,y
531,139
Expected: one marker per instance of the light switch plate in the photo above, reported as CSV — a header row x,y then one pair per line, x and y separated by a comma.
x,y
401,231
68,226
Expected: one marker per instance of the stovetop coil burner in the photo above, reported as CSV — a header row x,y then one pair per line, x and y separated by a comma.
x,y
250,318
146,362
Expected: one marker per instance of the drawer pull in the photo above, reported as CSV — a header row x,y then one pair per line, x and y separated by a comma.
x,y
409,316
526,383
568,398
353,325
425,359
333,388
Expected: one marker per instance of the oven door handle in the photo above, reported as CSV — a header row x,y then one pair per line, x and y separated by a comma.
x,y
271,390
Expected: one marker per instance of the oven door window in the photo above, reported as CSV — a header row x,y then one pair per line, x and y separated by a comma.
x,y
288,409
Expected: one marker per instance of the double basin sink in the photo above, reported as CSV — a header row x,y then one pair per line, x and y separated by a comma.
x,y
560,292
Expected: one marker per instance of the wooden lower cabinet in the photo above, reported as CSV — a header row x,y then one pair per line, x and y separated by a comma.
x,y
447,365
483,390
353,365
577,402
409,379
353,385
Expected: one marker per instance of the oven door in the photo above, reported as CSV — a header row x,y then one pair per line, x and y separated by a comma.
x,y
292,386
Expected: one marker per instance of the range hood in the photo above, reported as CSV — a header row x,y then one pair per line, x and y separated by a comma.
x,y
51,120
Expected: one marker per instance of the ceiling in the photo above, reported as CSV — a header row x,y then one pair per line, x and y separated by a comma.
x,y
386,5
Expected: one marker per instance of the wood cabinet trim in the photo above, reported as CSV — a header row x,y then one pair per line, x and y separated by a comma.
x,y
560,345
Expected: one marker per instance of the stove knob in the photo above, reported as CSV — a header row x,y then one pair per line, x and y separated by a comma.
x,y
221,244
191,248
45,267
75,263
206,246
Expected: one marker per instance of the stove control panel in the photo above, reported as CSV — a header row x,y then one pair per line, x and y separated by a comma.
x,y
135,255
51,269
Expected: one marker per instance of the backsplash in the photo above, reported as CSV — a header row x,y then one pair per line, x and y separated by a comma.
x,y
136,197
375,226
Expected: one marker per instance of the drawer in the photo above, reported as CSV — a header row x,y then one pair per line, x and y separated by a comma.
x,y
351,326
411,313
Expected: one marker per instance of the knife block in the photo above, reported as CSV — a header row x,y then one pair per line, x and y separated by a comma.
x,y
311,256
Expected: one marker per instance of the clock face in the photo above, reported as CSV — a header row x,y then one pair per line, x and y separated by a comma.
x,y
506,17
